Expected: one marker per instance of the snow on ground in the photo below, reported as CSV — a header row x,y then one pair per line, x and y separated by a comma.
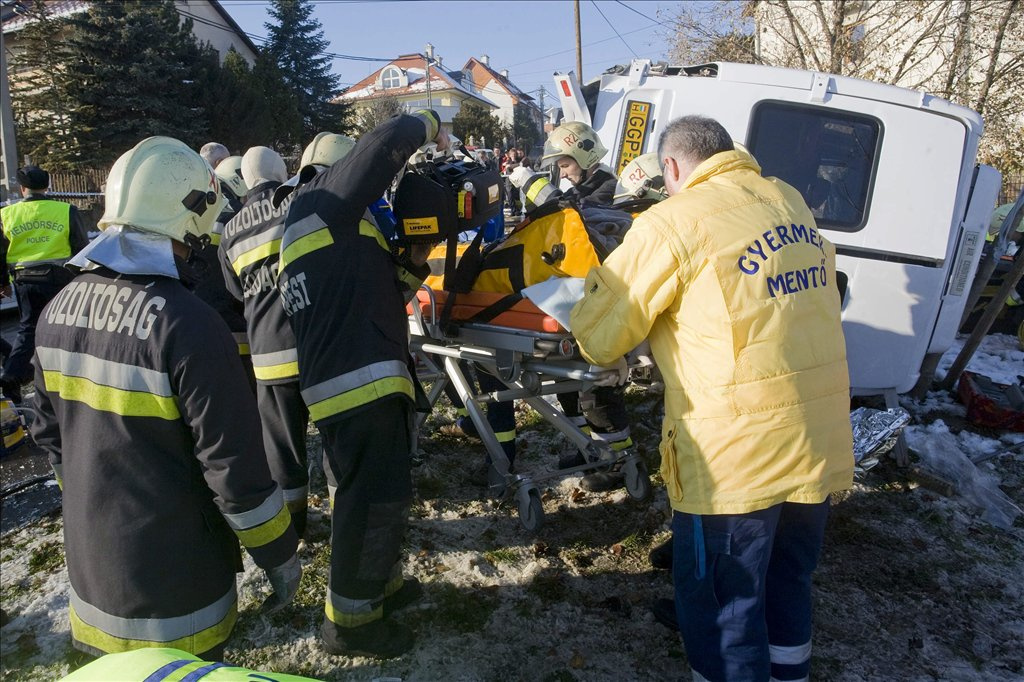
x,y
912,585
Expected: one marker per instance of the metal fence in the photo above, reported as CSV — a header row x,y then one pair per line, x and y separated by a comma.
x,y
1012,185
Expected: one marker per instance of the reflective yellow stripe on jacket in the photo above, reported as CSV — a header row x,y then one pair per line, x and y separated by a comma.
x,y
108,386
302,237
262,525
282,364
194,632
358,387
257,248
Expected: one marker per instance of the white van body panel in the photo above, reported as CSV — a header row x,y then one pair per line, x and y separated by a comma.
x,y
915,235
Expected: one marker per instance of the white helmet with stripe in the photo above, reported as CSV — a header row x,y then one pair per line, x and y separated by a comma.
x,y
163,187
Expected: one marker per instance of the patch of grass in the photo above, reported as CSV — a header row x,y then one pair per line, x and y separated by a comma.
x,y
46,558
13,591
461,610
548,587
636,541
503,555
430,487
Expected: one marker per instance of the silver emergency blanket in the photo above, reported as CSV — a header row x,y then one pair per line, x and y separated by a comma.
x,y
129,252
875,433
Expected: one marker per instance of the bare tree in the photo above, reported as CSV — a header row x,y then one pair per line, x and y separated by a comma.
x,y
967,51
376,111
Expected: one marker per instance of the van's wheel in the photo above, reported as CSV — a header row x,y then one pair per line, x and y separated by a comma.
x,y
638,481
531,509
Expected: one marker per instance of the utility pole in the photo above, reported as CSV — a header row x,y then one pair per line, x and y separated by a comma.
x,y
429,58
579,47
542,115
10,154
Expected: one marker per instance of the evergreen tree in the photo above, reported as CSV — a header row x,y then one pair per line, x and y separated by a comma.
x,y
130,76
476,121
525,129
286,129
237,111
39,105
297,45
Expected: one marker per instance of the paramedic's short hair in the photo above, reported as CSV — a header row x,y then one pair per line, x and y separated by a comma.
x,y
213,153
695,138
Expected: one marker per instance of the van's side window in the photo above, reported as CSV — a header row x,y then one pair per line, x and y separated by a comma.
x,y
828,155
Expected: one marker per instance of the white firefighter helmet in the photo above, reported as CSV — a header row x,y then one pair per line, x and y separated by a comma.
x,y
326,148
262,164
641,178
163,187
576,140
230,171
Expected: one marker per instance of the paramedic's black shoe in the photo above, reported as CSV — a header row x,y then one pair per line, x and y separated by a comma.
x,y
410,591
661,556
380,639
664,611
603,481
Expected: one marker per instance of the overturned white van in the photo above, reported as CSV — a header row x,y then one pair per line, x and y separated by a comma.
x,y
889,174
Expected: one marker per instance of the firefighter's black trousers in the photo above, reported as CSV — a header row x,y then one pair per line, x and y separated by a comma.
x,y
284,416
367,461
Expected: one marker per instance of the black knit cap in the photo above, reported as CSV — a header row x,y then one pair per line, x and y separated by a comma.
x,y
33,177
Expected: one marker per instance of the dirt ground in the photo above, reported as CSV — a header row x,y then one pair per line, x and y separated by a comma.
x,y
912,585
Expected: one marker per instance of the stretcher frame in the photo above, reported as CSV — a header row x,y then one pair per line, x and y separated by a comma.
x,y
531,364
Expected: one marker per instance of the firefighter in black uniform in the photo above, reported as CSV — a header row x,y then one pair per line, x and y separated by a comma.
x,y
576,150
143,409
250,247
39,235
210,285
344,292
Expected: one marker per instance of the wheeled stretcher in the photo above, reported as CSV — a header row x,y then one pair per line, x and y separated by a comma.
x,y
533,356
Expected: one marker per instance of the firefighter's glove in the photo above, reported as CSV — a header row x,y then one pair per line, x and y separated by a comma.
x,y
285,581
614,375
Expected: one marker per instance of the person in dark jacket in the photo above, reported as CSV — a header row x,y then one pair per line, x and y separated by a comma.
x,y
210,285
143,409
577,152
250,251
345,293
39,235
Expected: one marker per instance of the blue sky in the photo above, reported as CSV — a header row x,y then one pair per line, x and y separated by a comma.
x,y
531,39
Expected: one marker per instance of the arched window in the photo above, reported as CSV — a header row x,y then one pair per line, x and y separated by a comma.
x,y
391,77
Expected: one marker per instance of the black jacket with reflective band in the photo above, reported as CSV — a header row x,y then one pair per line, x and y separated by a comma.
x,y
145,412
250,249
597,190
341,287
210,285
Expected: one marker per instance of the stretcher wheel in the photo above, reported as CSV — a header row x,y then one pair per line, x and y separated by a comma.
x,y
531,510
638,481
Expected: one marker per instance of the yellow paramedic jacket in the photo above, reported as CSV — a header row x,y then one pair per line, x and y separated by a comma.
x,y
735,288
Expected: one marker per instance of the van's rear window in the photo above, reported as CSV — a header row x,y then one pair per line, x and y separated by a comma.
x,y
829,156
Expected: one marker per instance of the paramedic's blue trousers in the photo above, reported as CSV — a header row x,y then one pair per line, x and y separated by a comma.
x,y
743,591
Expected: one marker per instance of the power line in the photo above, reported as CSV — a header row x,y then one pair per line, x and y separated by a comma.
x,y
636,11
596,42
264,40
612,27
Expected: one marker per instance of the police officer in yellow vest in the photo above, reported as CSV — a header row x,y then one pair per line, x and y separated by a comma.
x,y
734,286
39,235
